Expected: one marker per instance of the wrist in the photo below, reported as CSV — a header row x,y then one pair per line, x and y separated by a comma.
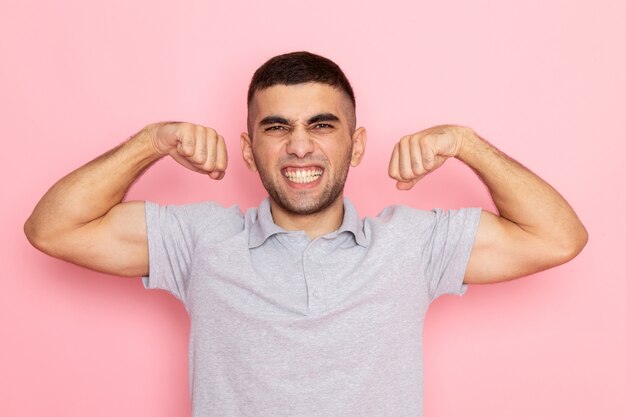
x,y
468,141
145,143
149,134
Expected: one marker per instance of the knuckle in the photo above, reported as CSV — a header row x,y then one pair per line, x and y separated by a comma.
x,y
202,153
198,158
186,129
184,149
221,164
406,174
210,163
426,140
211,133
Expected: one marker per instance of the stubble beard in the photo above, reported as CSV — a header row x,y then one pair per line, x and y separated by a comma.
x,y
303,204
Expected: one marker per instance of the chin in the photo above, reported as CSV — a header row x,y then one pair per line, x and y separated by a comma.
x,y
302,208
305,206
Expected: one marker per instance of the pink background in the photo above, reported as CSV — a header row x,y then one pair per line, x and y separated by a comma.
x,y
543,80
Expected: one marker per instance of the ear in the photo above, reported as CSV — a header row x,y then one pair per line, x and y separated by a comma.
x,y
246,151
359,140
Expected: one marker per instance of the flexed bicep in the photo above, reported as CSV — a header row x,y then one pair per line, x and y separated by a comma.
x,y
116,243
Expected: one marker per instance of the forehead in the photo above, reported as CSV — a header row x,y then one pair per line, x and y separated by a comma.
x,y
300,101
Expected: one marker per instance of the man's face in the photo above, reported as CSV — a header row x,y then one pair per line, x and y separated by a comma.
x,y
302,145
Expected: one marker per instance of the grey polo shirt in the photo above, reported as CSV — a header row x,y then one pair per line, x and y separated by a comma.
x,y
285,326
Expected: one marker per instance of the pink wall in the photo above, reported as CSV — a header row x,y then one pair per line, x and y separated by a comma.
x,y
543,80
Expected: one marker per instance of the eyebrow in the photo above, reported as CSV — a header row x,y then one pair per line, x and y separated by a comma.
x,y
271,120
322,117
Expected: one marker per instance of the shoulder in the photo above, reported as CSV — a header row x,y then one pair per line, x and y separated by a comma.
x,y
196,217
403,219
400,212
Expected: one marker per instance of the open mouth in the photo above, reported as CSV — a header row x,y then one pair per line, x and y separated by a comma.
x,y
302,175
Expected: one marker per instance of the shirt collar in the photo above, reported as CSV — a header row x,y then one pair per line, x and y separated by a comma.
x,y
263,226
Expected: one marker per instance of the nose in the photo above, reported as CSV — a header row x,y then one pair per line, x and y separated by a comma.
x,y
299,144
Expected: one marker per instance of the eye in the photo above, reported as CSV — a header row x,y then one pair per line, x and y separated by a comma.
x,y
276,128
322,126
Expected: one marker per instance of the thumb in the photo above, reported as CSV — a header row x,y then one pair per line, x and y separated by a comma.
x,y
406,185
217,175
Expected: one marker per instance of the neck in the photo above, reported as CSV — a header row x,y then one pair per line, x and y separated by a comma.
x,y
314,225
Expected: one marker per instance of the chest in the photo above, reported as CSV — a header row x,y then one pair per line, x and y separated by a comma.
x,y
289,278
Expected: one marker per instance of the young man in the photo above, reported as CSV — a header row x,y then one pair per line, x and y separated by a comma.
x,y
299,307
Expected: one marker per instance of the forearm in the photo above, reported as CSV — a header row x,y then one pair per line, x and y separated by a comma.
x,y
523,198
89,192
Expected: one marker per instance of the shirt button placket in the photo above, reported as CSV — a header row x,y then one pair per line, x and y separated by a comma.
x,y
314,279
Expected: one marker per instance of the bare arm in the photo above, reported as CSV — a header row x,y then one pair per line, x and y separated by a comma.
x,y
83,219
536,228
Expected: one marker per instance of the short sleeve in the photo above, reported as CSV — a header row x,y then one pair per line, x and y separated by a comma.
x,y
448,249
174,233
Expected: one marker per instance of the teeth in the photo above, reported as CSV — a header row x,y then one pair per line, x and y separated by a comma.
x,y
303,176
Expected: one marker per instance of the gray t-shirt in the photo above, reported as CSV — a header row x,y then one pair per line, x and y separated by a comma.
x,y
285,326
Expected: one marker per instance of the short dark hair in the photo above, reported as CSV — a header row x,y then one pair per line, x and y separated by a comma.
x,y
299,68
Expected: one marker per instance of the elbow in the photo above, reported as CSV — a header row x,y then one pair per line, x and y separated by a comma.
x,y
32,233
572,244
37,236
579,240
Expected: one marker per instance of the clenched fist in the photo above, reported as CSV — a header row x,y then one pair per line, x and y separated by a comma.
x,y
416,155
196,147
